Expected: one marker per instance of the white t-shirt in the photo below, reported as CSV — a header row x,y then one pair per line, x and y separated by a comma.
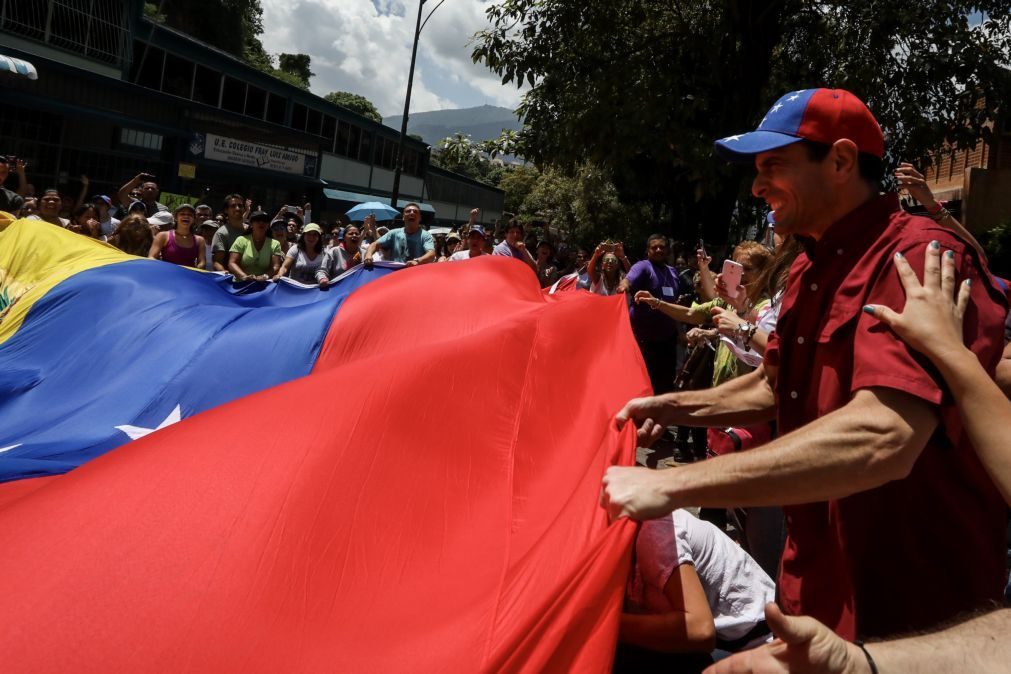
x,y
735,585
109,226
601,288
462,255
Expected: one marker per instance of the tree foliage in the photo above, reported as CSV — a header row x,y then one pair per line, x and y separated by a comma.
x,y
359,104
296,65
457,153
642,87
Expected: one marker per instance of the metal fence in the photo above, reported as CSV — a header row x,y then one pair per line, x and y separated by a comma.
x,y
96,29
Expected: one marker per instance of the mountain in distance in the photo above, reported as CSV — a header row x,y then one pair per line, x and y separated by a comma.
x,y
485,122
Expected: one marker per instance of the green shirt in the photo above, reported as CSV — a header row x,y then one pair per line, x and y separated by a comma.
x,y
726,365
255,262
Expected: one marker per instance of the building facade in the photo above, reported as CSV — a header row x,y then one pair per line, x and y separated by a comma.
x,y
117,94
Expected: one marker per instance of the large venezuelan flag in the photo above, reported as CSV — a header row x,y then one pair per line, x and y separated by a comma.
x,y
420,494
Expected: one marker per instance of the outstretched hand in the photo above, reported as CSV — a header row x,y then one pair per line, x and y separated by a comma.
x,y
931,321
802,645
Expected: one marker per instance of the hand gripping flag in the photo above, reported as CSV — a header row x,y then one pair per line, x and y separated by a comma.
x,y
424,499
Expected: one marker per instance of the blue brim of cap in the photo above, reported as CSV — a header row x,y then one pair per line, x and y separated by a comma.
x,y
745,146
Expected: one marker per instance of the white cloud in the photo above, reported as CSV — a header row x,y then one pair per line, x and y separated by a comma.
x,y
364,46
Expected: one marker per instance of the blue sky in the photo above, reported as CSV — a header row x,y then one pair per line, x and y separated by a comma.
x,y
364,46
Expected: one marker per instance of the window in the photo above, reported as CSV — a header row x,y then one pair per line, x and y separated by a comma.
x,y
329,127
141,139
343,132
356,138
365,149
207,86
276,106
298,116
178,77
233,98
256,102
147,65
313,122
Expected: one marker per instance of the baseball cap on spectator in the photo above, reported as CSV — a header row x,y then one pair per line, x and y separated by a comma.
x,y
211,224
453,236
817,115
103,198
185,207
477,229
161,219
313,227
137,206
259,216
199,206
278,223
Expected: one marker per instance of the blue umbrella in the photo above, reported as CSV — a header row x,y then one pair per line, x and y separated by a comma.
x,y
380,210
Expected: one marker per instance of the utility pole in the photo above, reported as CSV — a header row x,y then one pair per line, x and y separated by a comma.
x,y
399,163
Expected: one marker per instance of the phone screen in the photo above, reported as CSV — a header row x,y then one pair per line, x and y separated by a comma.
x,y
732,273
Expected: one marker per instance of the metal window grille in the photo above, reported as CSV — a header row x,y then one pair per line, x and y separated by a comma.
x,y
94,28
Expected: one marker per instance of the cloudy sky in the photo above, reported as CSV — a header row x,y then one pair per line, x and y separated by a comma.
x,y
364,46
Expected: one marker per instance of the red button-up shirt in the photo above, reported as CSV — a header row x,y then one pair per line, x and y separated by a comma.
x,y
913,552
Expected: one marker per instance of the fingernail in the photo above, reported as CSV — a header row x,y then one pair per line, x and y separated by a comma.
x,y
935,245
968,282
950,255
898,256
868,309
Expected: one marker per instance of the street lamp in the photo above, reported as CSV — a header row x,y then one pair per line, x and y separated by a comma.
x,y
407,100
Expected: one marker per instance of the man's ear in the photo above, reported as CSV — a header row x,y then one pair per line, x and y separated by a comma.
x,y
845,159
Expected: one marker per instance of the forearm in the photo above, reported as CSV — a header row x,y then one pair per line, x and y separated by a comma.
x,y
985,412
236,271
665,632
742,401
708,283
979,645
855,448
371,251
429,256
22,184
759,341
680,313
1003,374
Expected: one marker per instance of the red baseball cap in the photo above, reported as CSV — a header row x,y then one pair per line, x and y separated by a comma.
x,y
817,115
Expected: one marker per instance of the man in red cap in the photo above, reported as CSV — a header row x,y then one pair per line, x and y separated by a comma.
x,y
892,525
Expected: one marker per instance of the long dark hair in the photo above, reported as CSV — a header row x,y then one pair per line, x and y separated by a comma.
x,y
774,276
318,246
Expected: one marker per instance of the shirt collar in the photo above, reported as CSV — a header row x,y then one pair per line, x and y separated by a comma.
x,y
853,230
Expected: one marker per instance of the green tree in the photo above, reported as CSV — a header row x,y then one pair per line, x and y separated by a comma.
x,y
642,87
356,103
296,65
517,182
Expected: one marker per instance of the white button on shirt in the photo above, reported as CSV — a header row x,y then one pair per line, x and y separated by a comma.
x,y
814,286
800,340
793,394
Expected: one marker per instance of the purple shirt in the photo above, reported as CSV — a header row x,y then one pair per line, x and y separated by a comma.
x,y
661,281
505,249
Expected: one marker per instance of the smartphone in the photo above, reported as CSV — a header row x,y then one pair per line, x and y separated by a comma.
x,y
702,247
732,272
608,247
146,176
292,209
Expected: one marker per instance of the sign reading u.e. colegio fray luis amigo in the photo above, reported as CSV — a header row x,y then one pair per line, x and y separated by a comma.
x,y
246,153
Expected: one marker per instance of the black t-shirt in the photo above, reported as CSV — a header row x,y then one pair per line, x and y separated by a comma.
x,y
10,201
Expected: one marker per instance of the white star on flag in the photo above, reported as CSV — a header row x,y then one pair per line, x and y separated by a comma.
x,y
137,432
775,108
5,449
794,97
730,138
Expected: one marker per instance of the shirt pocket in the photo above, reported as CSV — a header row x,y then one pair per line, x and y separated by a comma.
x,y
841,320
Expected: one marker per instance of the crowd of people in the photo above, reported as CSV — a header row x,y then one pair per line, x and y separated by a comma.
x,y
829,441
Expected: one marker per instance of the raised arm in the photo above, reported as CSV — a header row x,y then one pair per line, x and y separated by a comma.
x,y
914,182
592,267
931,323
706,277
83,195
123,195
